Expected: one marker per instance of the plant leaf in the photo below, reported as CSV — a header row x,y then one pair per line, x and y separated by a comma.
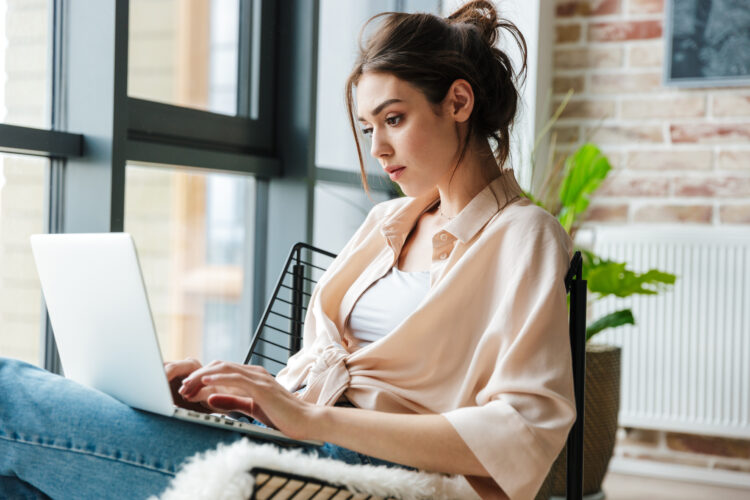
x,y
584,172
606,277
611,320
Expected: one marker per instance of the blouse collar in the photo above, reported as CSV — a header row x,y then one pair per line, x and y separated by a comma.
x,y
474,216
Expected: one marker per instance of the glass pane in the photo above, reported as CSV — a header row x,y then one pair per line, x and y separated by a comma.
x,y
184,53
348,206
193,232
24,28
22,193
340,24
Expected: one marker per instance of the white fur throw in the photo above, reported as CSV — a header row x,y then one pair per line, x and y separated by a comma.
x,y
223,473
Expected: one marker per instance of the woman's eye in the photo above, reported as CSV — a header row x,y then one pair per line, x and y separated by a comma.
x,y
393,120
366,131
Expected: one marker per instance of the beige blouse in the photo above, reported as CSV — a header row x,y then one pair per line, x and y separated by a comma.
x,y
487,347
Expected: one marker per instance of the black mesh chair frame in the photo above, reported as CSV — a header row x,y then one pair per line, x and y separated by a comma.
x,y
297,281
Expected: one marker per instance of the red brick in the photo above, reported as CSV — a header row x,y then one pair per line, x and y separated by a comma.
x,y
588,109
670,160
634,186
723,187
640,437
731,105
625,134
733,466
735,214
709,445
562,84
694,187
694,461
569,8
588,57
660,107
622,83
607,213
646,55
734,160
567,33
567,135
619,31
645,6
711,133
674,213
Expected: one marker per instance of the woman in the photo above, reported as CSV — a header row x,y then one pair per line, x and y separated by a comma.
x,y
441,326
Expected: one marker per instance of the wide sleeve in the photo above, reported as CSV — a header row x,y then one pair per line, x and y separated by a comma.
x,y
524,407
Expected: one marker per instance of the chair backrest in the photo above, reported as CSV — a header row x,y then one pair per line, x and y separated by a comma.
x,y
576,287
279,334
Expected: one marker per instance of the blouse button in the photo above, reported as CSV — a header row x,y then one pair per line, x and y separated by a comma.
x,y
443,256
443,236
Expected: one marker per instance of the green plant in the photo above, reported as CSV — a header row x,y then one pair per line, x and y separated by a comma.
x,y
579,175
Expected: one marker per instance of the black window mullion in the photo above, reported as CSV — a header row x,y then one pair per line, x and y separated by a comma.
x,y
150,121
185,156
39,142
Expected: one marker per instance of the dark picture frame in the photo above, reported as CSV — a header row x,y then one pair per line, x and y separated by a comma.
x,y
707,43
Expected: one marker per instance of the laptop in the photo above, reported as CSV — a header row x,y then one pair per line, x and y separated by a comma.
x,y
105,334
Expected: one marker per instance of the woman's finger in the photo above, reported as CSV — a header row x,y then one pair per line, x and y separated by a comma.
x,y
232,385
181,368
213,367
226,403
194,381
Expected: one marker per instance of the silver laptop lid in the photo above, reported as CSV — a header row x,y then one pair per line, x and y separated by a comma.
x,y
100,316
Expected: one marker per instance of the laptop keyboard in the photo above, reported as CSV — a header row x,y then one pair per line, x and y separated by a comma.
x,y
218,418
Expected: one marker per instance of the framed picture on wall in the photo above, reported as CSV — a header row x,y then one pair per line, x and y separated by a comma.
x,y
707,43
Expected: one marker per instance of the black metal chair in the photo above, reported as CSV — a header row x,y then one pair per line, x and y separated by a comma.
x,y
279,334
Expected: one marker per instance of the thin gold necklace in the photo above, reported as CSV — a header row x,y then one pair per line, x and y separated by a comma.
x,y
440,211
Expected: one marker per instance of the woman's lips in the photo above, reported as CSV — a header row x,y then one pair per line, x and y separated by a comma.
x,y
396,173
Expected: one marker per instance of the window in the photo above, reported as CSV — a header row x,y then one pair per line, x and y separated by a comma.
x,y
23,62
22,194
190,130
185,53
194,237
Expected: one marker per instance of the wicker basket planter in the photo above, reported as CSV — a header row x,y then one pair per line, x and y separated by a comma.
x,y
602,404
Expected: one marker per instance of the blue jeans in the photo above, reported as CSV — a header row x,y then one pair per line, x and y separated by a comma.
x,y
62,440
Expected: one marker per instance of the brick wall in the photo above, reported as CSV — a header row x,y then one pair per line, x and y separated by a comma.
x,y
680,156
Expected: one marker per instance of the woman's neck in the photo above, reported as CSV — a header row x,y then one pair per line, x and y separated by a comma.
x,y
477,169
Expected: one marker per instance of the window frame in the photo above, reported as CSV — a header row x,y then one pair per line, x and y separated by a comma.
x,y
95,128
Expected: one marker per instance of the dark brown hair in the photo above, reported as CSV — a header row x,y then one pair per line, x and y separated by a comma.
x,y
431,52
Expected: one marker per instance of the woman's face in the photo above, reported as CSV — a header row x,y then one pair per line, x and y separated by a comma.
x,y
415,141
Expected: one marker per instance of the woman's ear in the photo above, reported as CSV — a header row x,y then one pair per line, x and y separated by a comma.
x,y
460,100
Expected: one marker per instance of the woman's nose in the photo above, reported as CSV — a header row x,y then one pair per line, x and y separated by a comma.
x,y
379,147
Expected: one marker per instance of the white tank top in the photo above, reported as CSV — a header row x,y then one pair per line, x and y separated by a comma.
x,y
386,303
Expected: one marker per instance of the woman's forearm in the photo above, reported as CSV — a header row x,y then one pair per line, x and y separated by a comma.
x,y
426,442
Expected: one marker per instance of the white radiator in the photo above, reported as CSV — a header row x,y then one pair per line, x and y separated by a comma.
x,y
686,363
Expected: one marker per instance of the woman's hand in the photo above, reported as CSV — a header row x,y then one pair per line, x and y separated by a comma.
x,y
224,386
176,372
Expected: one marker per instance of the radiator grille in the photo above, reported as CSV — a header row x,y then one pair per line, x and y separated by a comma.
x,y
686,364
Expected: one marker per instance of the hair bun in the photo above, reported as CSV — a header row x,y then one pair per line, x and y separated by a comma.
x,y
481,14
